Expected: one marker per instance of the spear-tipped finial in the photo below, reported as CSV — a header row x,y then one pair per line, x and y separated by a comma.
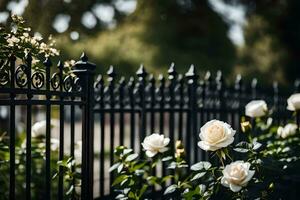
x,y
208,77
219,77
141,72
297,85
152,79
84,57
48,62
191,72
60,65
111,71
28,56
122,81
172,71
254,83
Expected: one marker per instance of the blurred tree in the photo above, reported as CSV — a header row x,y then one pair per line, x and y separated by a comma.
x,y
272,39
161,32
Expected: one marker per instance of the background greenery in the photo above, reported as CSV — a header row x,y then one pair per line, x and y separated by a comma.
x,y
183,31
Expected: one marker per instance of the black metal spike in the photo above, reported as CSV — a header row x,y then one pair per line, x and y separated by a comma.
x,y
141,72
219,77
60,65
47,62
191,72
297,85
172,72
111,72
84,57
28,57
238,82
254,83
208,77
122,81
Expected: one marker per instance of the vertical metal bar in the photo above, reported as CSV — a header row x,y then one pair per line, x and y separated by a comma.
x,y
131,86
72,138
237,110
48,64
102,137
28,129
204,155
12,136
161,91
152,113
152,103
181,104
142,74
172,77
121,104
192,118
111,73
61,133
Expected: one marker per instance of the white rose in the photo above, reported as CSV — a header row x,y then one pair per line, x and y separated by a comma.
x,y
39,128
215,135
287,130
54,144
236,175
294,102
154,144
256,108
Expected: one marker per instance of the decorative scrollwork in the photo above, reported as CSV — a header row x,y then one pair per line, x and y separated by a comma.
x,y
4,76
77,86
68,83
38,80
55,81
21,76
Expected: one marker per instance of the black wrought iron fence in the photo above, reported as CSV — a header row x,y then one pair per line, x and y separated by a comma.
x,y
125,111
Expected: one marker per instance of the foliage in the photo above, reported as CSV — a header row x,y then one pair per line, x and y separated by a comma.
x,y
273,159
70,169
18,40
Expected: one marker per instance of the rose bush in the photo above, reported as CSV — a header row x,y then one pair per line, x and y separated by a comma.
x,y
256,168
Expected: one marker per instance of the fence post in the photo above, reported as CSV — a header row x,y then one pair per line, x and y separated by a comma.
x,y
85,72
191,138
220,90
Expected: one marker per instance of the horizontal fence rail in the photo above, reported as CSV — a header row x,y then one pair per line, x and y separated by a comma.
x,y
99,115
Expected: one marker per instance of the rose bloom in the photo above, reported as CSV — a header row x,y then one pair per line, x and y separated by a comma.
x,y
215,135
236,175
256,108
294,102
39,128
287,130
154,144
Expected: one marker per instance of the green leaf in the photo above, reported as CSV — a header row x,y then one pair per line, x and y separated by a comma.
x,y
166,178
256,145
131,195
201,165
139,166
241,150
115,166
167,158
120,167
170,189
131,157
199,175
119,179
127,151
172,165
202,189
70,190
143,190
